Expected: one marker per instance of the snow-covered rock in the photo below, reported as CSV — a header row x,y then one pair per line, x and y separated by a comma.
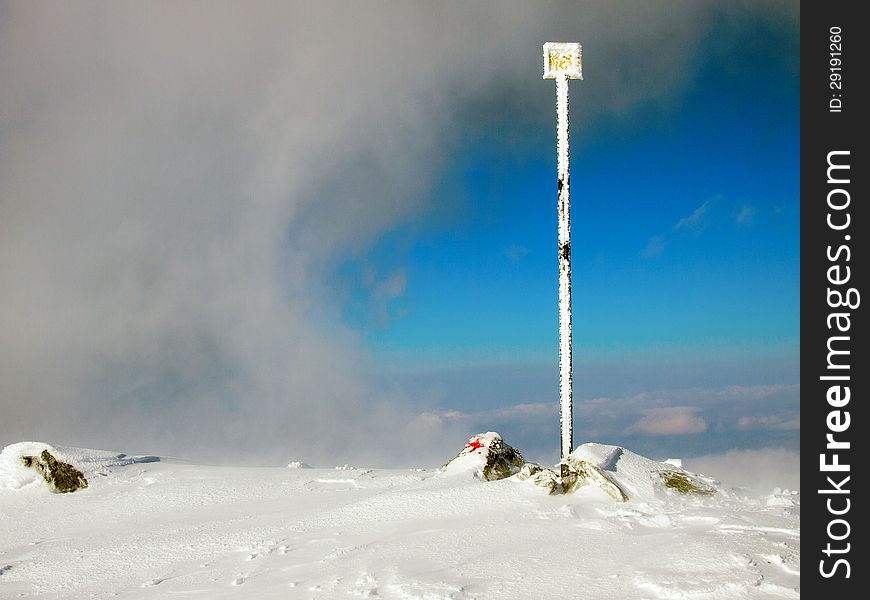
x,y
541,477
15,476
296,464
581,473
61,476
577,475
640,477
488,457
619,473
28,463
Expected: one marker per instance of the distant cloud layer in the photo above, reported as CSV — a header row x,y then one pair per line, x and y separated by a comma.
x,y
769,422
664,413
759,471
672,420
176,178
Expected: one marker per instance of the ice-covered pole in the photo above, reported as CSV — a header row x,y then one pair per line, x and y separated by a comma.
x,y
562,61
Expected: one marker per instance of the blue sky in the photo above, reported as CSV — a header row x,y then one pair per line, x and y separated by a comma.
x,y
685,230
685,245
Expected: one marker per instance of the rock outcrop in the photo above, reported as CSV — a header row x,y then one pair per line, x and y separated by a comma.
x,y
684,483
641,477
541,477
619,473
61,476
581,473
488,456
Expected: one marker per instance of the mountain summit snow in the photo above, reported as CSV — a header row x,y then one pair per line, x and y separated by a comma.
x,y
151,529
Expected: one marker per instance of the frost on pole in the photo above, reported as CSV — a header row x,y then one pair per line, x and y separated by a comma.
x,y
562,61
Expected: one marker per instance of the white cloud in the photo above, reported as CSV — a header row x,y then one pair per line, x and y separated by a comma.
x,y
694,223
697,221
745,215
672,420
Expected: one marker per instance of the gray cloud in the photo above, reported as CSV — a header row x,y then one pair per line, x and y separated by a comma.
x,y
176,178
383,293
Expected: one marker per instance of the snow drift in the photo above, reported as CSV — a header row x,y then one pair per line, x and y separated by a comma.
x,y
153,529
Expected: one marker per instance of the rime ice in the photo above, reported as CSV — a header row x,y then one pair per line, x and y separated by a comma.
x,y
562,61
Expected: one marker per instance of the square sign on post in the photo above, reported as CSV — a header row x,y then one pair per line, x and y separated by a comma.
x,y
563,58
562,61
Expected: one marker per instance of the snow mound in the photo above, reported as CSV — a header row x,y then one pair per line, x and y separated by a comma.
x,y
641,477
15,476
618,472
96,461
487,456
784,498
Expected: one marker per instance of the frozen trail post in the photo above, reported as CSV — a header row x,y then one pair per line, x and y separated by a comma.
x,y
562,61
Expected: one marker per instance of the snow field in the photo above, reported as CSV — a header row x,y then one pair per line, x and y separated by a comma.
x,y
161,529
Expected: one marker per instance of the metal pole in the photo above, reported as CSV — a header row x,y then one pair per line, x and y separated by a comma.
x,y
563,61
565,360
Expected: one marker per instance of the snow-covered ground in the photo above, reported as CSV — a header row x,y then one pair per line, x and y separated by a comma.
x,y
160,529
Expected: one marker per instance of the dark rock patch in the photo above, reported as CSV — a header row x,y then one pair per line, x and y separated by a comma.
x,y
61,476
